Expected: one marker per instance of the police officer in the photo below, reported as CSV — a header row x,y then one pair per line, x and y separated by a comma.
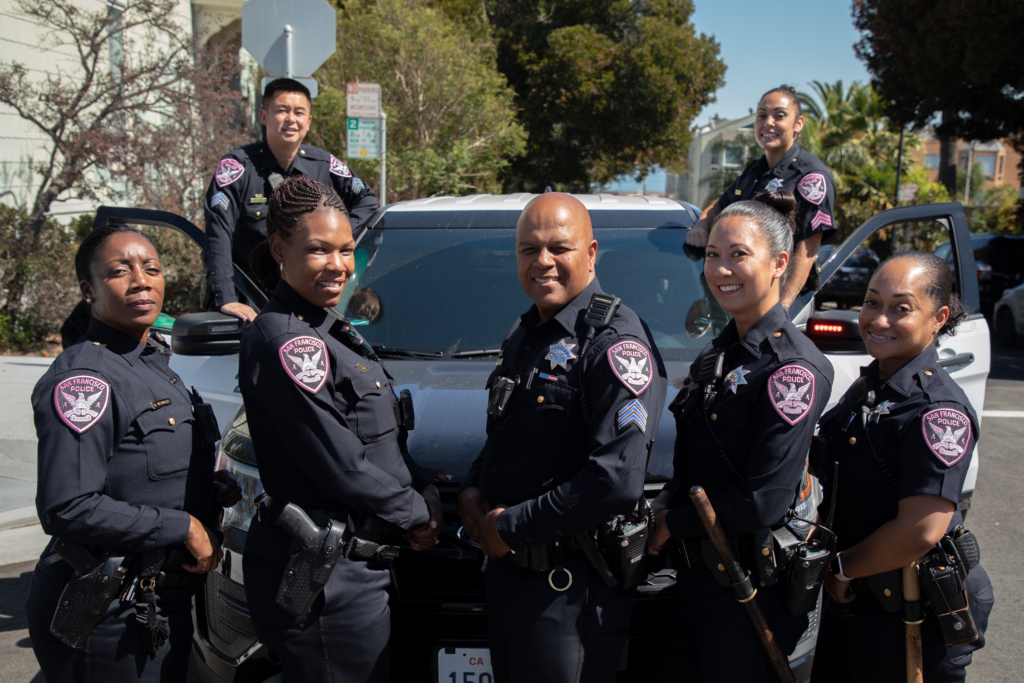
x,y
903,437
125,471
573,415
327,439
783,166
236,201
743,432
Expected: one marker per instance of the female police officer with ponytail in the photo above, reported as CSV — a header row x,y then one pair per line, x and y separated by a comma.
x,y
126,482
744,424
784,166
331,454
899,444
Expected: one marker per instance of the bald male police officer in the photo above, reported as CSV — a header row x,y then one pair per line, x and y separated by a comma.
x,y
236,201
573,413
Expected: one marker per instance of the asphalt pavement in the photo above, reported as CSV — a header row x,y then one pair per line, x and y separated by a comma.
x,y
996,516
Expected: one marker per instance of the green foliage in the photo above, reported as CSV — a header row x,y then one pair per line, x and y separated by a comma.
x,y
603,87
18,335
977,184
995,210
451,119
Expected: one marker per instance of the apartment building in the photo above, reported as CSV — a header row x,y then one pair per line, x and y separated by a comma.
x,y
695,185
998,158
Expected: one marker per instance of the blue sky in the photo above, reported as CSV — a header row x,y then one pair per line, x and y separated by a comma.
x,y
765,44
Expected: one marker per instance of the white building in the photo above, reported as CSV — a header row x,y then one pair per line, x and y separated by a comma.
x,y
692,186
23,40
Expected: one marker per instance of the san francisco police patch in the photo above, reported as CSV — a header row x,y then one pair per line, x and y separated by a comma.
x,y
81,401
305,360
228,171
791,389
339,167
812,187
631,363
947,433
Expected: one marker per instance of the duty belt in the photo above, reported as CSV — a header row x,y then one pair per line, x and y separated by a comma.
x,y
543,557
750,551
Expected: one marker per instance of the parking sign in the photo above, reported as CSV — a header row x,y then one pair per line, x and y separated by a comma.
x,y
363,140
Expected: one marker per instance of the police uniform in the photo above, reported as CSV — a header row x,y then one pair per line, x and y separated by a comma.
x,y
321,413
121,469
747,447
568,455
236,205
801,173
917,439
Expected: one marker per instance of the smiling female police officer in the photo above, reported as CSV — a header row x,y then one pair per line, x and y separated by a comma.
x,y
783,166
126,482
743,433
902,436
327,438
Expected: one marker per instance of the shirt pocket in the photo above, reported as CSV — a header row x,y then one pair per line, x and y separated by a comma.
x,y
547,409
167,436
374,407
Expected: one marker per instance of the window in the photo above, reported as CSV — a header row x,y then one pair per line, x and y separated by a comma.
x,y
1001,159
734,157
931,161
988,163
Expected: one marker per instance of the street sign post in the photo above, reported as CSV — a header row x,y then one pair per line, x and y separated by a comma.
x,y
907,192
289,38
367,129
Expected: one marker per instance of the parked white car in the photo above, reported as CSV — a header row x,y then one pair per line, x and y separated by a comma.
x,y
1008,316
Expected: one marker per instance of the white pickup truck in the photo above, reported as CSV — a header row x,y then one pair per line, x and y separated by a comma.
x,y
442,274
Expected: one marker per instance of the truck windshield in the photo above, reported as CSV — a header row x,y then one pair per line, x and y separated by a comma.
x,y
455,293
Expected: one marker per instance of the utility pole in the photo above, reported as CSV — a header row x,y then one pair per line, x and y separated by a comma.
x,y
383,158
967,185
899,166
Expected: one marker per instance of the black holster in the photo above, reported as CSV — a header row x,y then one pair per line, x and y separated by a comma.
x,y
85,599
153,628
943,574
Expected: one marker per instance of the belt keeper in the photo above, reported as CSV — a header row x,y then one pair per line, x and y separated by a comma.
x,y
912,612
744,590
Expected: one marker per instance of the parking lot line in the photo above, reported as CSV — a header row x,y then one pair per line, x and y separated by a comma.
x,y
1002,413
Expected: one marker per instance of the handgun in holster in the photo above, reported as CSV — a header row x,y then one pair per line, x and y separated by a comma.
x,y
943,574
84,602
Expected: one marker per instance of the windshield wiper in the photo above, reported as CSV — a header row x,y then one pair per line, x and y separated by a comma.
x,y
382,350
476,352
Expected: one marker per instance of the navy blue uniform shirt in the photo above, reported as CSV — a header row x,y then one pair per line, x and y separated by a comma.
x,y
801,173
322,418
236,205
775,385
919,438
119,463
573,450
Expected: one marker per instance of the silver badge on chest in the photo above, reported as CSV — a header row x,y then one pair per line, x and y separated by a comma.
x,y
561,353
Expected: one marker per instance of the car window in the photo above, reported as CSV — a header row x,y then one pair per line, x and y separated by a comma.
x,y
445,291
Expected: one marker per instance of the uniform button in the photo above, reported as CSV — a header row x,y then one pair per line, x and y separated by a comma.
x,y
766,552
721,567
257,214
95,343
778,334
714,416
494,470
378,385
928,372
170,421
174,380
540,399
887,592
853,440
302,151
300,317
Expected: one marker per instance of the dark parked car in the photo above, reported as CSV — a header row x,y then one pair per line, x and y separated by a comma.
x,y
999,262
849,284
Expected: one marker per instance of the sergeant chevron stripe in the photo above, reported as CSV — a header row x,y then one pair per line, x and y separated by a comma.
x,y
635,412
820,218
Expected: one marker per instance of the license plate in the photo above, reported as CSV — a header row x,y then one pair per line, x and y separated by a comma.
x,y
464,665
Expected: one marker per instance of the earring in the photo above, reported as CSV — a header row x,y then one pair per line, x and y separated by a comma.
x,y
88,301
281,268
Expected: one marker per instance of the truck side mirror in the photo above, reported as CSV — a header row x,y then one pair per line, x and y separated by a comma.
x,y
207,334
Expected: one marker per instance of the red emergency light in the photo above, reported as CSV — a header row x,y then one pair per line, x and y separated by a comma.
x,y
827,328
835,332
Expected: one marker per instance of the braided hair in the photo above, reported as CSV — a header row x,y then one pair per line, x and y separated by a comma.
x,y
289,203
937,286
77,323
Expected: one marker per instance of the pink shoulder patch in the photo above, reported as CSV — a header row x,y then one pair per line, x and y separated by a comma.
x,y
305,360
81,401
791,389
339,167
813,188
228,171
631,363
947,433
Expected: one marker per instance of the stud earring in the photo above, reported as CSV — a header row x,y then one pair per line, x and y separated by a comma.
x,y
281,266
88,301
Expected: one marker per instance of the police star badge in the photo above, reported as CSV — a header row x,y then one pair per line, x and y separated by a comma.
x,y
774,185
561,353
879,410
734,379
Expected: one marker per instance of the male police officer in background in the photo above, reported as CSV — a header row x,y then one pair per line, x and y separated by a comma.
x,y
568,434
236,201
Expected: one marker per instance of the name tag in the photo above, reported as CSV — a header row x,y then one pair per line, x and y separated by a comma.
x,y
258,200
161,403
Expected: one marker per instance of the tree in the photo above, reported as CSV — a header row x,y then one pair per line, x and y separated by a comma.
x,y
140,114
451,122
603,87
951,56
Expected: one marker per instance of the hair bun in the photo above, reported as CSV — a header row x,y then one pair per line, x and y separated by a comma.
x,y
782,201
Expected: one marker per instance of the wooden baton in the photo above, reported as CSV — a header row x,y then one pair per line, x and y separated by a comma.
x,y
912,620
741,585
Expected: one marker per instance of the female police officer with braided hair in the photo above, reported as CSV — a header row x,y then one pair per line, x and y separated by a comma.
x,y
743,432
126,482
786,166
902,437
329,446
